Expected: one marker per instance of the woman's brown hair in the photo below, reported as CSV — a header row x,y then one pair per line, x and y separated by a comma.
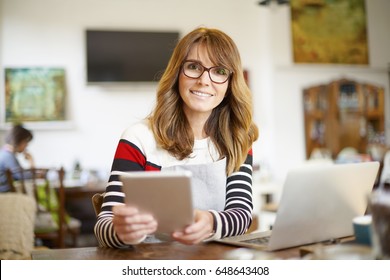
x,y
230,125
17,135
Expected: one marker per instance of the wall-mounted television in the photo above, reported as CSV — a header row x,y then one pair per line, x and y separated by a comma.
x,y
128,56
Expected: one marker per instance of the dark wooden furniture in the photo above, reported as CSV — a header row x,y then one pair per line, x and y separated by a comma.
x,y
343,113
97,201
203,251
78,203
158,251
50,196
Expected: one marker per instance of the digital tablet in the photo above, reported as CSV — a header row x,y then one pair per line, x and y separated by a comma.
x,y
165,195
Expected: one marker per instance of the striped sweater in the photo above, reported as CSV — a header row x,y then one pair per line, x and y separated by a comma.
x,y
138,151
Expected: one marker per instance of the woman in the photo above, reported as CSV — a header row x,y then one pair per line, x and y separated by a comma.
x,y
202,121
16,141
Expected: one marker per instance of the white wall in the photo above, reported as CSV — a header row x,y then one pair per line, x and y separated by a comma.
x,y
289,80
50,33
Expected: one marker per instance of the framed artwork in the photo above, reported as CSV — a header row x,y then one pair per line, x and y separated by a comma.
x,y
35,95
328,31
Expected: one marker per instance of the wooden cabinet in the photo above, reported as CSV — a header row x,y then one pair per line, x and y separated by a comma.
x,y
343,113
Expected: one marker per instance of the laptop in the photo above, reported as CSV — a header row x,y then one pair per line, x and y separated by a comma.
x,y
317,204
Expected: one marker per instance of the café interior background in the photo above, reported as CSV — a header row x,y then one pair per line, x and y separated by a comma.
x,y
50,33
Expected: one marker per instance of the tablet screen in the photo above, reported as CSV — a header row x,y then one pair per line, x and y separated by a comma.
x,y
165,195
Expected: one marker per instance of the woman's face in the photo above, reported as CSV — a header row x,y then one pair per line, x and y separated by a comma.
x,y
22,146
200,95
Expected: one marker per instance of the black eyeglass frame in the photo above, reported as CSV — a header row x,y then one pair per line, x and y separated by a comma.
x,y
205,69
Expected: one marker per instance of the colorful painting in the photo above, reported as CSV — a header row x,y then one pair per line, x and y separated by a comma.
x,y
34,94
329,31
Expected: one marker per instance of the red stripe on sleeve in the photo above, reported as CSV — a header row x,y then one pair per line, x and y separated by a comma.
x,y
150,167
127,152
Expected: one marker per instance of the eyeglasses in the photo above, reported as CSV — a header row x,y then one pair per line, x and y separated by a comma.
x,y
194,69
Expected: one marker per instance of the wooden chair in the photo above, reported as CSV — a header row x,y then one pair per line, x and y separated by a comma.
x,y
16,226
97,201
52,223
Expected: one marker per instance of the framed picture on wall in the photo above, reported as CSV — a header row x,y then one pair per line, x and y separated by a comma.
x,y
329,32
35,95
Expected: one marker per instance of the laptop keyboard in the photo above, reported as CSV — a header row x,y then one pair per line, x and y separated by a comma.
x,y
262,240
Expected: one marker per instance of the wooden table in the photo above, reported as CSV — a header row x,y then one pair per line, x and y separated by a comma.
x,y
81,190
78,203
156,251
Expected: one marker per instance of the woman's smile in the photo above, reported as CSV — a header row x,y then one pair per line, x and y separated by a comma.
x,y
201,93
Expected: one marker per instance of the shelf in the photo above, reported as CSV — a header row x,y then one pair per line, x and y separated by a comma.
x,y
315,115
343,113
374,115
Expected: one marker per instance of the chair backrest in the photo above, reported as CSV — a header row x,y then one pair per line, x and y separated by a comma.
x,y
49,195
385,174
14,181
16,226
97,201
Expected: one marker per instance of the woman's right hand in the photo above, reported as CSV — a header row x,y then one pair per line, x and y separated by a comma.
x,y
29,158
132,226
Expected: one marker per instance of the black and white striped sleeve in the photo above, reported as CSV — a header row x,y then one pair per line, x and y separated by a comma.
x,y
237,215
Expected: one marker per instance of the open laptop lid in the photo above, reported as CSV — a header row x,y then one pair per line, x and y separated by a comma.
x,y
318,203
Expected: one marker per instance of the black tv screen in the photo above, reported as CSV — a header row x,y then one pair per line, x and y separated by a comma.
x,y
128,56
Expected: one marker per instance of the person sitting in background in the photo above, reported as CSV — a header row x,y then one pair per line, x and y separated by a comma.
x,y
16,141
202,119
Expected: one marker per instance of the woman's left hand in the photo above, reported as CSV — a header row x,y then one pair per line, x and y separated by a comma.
x,y
200,230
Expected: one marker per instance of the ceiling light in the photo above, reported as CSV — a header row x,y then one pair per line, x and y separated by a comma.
x,y
267,2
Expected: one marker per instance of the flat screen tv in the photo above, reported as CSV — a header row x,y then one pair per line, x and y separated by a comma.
x,y
127,56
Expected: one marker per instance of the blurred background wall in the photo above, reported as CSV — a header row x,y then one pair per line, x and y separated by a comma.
x,y
50,33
